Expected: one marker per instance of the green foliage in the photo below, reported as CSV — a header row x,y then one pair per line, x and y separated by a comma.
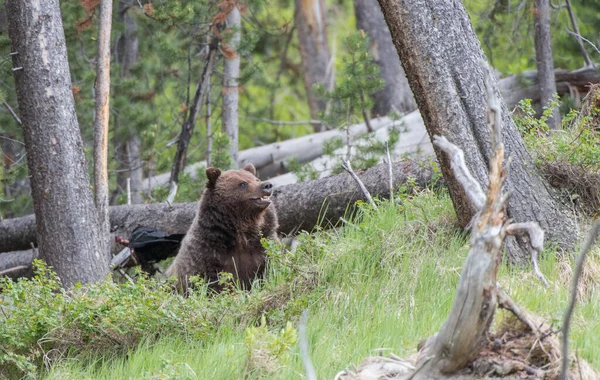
x,y
221,158
358,80
386,279
267,350
41,321
576,143
350,100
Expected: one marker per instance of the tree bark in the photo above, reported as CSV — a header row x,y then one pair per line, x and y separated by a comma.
x,y
447,83
102,95
127,152
317,67
68,231
299,206
188,126
543,58
396,95
231,74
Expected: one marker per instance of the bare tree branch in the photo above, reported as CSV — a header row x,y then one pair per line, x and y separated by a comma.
x,y
347,167
586,56
308,366
536,239
585,39
574,284
12,112
466,179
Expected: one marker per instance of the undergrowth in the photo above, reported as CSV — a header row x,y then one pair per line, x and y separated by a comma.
x,y
385,280
569,158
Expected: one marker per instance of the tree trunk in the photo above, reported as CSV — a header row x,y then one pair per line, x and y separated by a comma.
x,y
440,54
299,206
317,65
102,95
127,153
68,231
231,74
188,126
396,95
543,58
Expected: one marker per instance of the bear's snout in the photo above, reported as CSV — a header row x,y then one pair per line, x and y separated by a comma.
x,y
267,188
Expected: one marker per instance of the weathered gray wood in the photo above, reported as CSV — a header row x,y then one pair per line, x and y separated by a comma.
x,y
440,54
67,223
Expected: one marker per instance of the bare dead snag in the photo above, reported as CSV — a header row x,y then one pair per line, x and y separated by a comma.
x,y
574,284
462,335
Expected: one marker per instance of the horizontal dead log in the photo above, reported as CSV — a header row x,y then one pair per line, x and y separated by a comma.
x,y
299,206
17,264
525,85
268,158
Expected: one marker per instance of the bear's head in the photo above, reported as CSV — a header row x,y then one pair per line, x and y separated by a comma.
x,y
239,189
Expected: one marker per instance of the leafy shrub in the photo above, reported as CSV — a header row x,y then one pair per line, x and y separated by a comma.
x,y
41,321
569,158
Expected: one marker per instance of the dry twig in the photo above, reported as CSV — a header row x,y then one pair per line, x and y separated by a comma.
x,y
346,166
569,312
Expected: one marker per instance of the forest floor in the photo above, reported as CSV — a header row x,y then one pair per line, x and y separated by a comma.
x,y
379,284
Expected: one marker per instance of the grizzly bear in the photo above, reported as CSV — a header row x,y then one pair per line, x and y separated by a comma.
x,y
234,214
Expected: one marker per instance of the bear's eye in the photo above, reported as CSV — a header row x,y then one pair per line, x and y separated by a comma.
x,y
243,185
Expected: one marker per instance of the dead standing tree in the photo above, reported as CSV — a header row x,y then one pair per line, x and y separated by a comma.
x,y
461,338
102,93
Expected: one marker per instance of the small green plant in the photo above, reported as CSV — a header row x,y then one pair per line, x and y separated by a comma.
x,y
268,350
569,158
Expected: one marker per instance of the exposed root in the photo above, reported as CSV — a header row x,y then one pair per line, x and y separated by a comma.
x,y
512,351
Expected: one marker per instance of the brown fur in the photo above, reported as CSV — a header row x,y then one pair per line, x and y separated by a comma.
x,y
225,234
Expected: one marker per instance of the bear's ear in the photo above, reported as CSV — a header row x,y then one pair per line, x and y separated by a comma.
x,y
250,168
212,174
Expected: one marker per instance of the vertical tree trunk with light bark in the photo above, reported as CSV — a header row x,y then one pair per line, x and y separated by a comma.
x,y
396,95
127,153
102,94
317,66
231,74
543,58
68,231
440,54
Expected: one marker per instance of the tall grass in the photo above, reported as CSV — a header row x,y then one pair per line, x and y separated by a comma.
x,y
383,282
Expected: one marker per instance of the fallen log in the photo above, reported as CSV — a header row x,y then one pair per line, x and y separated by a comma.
x,y
300,206
525,85
268,158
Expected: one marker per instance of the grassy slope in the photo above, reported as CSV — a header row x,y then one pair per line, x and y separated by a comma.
x,y
384,283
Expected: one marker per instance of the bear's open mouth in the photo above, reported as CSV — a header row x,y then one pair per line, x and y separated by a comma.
x,y
264,198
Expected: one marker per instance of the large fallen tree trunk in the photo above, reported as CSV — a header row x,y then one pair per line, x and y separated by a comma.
x,y
299,206
268,158
525,85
